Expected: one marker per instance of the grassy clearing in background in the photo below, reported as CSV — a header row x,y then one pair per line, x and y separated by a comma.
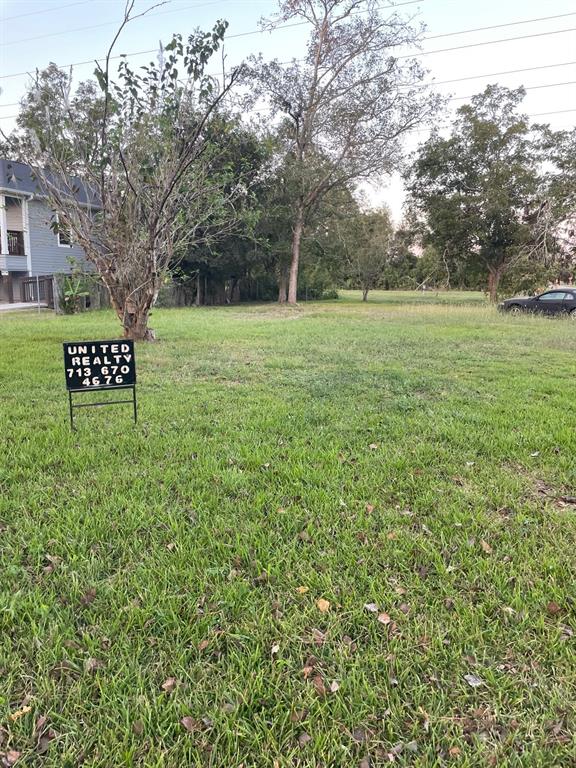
x,y
159,584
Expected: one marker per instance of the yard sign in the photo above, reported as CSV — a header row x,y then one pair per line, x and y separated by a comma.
x,y
98,365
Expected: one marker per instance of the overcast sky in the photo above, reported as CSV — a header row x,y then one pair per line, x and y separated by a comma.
x,y
35,32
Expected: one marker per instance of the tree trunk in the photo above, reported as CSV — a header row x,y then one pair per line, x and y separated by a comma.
x,y
282,287
296,239
133,313
494,275
136,326
365,294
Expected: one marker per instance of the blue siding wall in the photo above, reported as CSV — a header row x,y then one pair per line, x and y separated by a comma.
x,y
47,256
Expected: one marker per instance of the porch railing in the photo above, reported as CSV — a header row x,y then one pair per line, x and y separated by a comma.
x,y
15,243
38,289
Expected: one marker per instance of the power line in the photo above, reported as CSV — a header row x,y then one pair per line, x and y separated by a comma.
x,y
297,24
507,72
556,112
527,88
488,42
445,82
499,26
104,24
51,9
452,98
283,26
163,13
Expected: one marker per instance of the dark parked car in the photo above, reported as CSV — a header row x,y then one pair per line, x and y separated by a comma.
x,y
559,301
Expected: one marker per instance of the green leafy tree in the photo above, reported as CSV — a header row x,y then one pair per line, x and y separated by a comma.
x,y
367,238
345,106
559,214
478,189
153,176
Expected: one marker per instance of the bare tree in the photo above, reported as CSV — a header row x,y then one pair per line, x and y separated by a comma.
x,y
151,185
347,104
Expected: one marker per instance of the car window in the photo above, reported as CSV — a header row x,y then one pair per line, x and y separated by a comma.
x,y
569,297
553,296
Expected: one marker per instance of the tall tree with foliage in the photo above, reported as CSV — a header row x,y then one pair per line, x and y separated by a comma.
x,y
367,238
478,190
560,213
155,179
344,107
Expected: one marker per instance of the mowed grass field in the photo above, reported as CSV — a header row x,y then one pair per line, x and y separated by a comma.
x,y
340,535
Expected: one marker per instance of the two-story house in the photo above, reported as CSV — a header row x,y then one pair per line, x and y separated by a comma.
x,y
29,246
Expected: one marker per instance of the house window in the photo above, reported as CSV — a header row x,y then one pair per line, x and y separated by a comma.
x,y
63,234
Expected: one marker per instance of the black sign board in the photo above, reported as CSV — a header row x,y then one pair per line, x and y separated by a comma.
x,y
99,365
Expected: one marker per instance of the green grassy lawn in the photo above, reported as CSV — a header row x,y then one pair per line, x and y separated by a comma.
x,y
340,535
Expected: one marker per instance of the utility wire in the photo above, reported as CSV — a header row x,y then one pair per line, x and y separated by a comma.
x,y
507,72
499,26
285,26
444,82
526,88
51,9
452,98
177,10
104,24
488,42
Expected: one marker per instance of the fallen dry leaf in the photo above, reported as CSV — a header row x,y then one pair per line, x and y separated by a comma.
x,y
369,508
307,671
302,590
404,607
334,686
318,637
11,758
89,596
392,536
373,446
20,713
319,686
359,735
138,727
304,739
473,681
383,618
191,724
372,607
203,644
275,648
486,547
566,631
323,605
91,665
43,735
40,724
553,609
454,751
169,684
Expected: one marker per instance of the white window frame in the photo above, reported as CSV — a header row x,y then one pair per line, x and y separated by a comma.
x,y
63,245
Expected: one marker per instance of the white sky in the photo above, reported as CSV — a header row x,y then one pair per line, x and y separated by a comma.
x,y
35,32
